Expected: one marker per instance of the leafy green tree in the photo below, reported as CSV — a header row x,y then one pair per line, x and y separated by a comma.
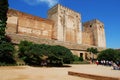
x,y
76,58
34,53
27,54
108,54
118,55
92,51
6,53
24,48
80,58
62,53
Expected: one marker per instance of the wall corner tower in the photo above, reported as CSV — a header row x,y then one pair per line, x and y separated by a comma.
x,y
67,27
96,32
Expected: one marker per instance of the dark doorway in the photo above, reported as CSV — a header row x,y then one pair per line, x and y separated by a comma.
x,y
81,54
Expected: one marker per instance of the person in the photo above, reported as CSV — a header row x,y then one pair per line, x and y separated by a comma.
x,y
110,63
101,62
115,66
97,62
104,62
107,63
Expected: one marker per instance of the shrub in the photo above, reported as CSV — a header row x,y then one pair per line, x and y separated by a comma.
x,y
80,58
81,62
28,53
6,53
108,54
62,53
76,58
33,54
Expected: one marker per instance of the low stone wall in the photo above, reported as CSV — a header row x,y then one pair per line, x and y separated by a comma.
x,y
95,77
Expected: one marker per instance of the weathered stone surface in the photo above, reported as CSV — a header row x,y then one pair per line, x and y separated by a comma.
x,y
94,33
67,24
16,38
29,25
63,27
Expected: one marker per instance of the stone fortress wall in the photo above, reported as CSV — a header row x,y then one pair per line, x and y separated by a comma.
x,y
93,33
67,24
29,25
63,27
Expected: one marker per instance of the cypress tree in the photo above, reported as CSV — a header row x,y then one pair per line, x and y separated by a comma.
x,y
6,48
3,18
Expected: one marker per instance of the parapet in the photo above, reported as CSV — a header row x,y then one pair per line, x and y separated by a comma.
x,y
93,21
59,6
16,13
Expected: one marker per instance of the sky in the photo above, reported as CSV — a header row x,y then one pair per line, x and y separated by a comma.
x,y
107,11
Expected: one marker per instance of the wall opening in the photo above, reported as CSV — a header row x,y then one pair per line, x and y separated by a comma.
x,y
81,54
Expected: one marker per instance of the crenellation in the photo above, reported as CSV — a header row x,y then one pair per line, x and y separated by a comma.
x,y
67,10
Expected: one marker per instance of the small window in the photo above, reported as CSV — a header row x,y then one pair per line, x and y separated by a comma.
x,y
90,25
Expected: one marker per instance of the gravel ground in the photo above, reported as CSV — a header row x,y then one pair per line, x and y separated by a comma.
x,y
53,73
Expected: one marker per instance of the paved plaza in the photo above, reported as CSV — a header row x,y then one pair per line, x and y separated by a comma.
x,y
55,73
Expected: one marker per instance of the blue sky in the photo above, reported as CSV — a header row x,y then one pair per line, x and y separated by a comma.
x,y
107,11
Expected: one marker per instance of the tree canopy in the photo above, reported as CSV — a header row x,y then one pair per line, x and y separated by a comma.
x,y
92,51
109,54
34,53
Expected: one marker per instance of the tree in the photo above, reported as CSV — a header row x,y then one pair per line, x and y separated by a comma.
x,y
34,53
62,53
6,53
108,54
3,18
76,58
28,53
6,48
92,51
118,55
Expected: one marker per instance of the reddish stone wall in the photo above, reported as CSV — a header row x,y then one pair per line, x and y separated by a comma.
x,y
21,26
93,33
22,23
87,38
70,36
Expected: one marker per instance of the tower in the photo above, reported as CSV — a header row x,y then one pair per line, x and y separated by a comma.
x,y
67,27
96,32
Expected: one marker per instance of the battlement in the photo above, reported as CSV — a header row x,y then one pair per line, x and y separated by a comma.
x,y
68,9
16,13
60,7
93,22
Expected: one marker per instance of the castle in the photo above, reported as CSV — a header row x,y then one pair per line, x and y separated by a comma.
x,y
63,27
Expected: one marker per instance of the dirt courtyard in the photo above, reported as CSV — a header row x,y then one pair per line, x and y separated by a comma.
x,y
54,73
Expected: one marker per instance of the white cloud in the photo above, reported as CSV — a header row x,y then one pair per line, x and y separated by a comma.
x,y
50,3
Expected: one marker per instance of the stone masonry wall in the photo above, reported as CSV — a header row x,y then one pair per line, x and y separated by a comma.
x,y
63,29
88,34
67,24
87,38
22,23
16,38
93,33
